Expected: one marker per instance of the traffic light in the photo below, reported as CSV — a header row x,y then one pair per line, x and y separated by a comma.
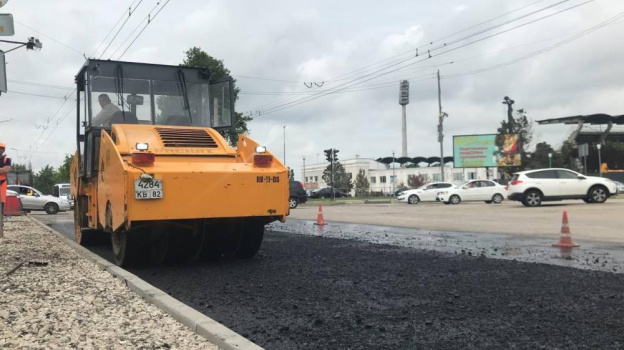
x,y
335,155
328,154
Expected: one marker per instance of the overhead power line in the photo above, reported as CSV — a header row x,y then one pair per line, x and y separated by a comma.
x,y
539,52
51,38
111,30
28,83
149,20
130,12
379,73
38,95
415,50
411,52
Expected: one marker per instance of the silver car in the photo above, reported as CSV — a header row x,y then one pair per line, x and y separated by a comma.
x,y
32,199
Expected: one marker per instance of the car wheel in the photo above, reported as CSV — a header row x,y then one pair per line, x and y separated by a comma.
x,y
532,198
51,208
497,198
413,199
455,199
292,202
598,194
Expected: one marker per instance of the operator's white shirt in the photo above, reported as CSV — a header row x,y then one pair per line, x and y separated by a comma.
x,y
104,117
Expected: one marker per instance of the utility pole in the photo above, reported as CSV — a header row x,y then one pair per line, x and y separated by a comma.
x,y
304,178
285,146
403,101
393,178
441,128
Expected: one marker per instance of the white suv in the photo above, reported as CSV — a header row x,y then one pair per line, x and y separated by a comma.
x,y
532,187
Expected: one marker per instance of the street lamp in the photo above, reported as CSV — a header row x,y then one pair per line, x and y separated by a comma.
x,y
599,160
393,173
550,160
285,146
304,178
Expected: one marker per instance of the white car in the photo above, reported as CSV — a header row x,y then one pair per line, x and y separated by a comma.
x,y
620,186
475,190
426,193
32,199
533,187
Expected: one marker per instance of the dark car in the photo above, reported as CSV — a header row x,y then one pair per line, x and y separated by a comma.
x,y
297,194
398,192
327,193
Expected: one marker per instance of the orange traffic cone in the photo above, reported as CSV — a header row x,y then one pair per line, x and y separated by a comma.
x,y
319,219
565,243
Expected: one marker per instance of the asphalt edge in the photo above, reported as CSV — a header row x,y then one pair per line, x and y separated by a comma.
x,y
216,333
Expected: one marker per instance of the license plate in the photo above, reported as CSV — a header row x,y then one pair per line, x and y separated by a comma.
x,y
148,189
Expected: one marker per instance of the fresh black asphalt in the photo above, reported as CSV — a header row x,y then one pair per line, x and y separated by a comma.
x,y
305,292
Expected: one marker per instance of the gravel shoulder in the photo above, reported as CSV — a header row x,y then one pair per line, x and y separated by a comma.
x,y
56,299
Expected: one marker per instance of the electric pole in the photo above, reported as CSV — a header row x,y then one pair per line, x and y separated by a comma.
x,y
441,117
285,146
403,101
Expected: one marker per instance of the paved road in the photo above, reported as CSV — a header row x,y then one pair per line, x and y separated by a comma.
x,y
306,292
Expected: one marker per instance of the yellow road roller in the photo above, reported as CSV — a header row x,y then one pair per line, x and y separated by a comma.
x,y
153,172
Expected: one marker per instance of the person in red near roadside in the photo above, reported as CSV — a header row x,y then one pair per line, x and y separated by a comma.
x,y
5,167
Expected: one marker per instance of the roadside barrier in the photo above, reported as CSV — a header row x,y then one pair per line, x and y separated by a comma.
x,y
565,243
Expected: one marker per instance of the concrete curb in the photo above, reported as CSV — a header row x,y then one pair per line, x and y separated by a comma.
x,y
199,323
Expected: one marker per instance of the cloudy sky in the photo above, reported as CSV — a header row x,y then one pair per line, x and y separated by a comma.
x,y
555,58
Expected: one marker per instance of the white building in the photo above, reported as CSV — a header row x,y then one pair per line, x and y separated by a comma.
x,y
380,175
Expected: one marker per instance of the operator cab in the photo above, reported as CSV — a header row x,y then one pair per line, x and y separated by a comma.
x,y
113,92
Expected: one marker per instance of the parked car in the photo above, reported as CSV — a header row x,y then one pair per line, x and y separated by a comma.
x,y
400,190
327,193
298,194
425,193
533,187
33,199
475,190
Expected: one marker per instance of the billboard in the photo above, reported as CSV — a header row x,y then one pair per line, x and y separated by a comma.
x,y
482,151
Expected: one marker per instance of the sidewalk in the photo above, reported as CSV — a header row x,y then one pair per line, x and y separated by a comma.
x,y
56,299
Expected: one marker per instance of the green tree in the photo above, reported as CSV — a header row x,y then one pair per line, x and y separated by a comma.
x,y
361,183
568,156
196,57
18,167
62,174
44,180
341,178
539,158
522,126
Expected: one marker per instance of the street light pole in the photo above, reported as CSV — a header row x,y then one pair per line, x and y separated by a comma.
x,y
304,178
599,160
285,146
550,160
393,173
441,116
